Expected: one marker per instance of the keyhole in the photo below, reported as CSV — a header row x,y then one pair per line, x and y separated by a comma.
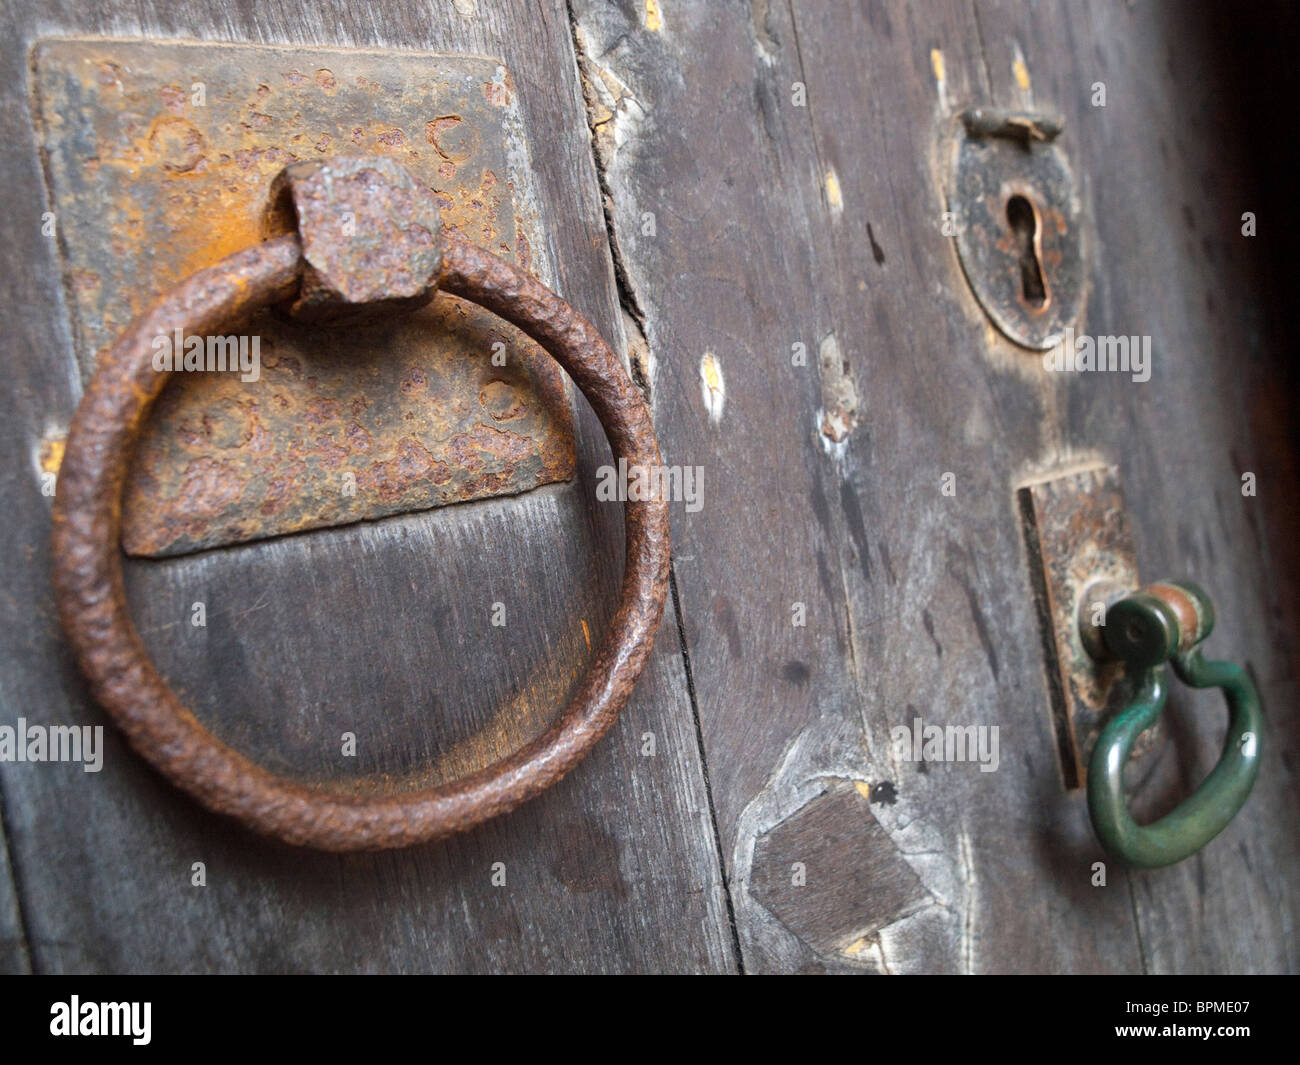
x,y
1024,227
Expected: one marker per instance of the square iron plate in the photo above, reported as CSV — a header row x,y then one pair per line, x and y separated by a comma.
x,y
159,156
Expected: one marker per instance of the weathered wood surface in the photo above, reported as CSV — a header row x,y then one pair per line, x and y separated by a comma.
x,y
770,225
787,225
379,629
1220,407
13,937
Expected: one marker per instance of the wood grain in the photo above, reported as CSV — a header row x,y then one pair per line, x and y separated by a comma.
x,y
380,629
831,873
798,224
719,188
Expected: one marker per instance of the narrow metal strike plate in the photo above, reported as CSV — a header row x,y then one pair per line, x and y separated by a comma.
x,y
160,158
1081,555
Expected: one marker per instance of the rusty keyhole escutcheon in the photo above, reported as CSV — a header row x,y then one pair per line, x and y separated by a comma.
x,y
1016,220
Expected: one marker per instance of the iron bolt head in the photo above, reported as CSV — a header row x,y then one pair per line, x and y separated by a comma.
x,y
371,237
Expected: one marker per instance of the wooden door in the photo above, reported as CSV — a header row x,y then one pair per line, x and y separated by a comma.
x,y
748,200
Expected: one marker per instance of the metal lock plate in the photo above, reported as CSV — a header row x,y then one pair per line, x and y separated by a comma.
x,y
160,158
1080,555
1017,224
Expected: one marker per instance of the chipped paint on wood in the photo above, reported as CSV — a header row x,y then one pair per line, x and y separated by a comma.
x,y
1021,73
834,194
712,388
939,69
50,452
838,413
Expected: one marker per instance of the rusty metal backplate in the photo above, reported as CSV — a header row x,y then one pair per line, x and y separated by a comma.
x,y
1080,552
159,158
992,175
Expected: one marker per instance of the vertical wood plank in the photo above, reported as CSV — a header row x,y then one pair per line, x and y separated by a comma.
x,y
819,225
14,957
822,225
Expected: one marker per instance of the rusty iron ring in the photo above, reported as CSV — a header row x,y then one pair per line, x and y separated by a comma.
x,y
92,601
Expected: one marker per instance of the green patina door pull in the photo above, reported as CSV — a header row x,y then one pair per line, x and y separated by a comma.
x,y
1165,623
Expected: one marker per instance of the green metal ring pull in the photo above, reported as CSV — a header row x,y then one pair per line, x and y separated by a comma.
x,y
1165,623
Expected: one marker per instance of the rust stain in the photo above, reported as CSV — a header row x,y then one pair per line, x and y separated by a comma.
x,y
1081,553
160,186
1003,158
380,812
51,455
